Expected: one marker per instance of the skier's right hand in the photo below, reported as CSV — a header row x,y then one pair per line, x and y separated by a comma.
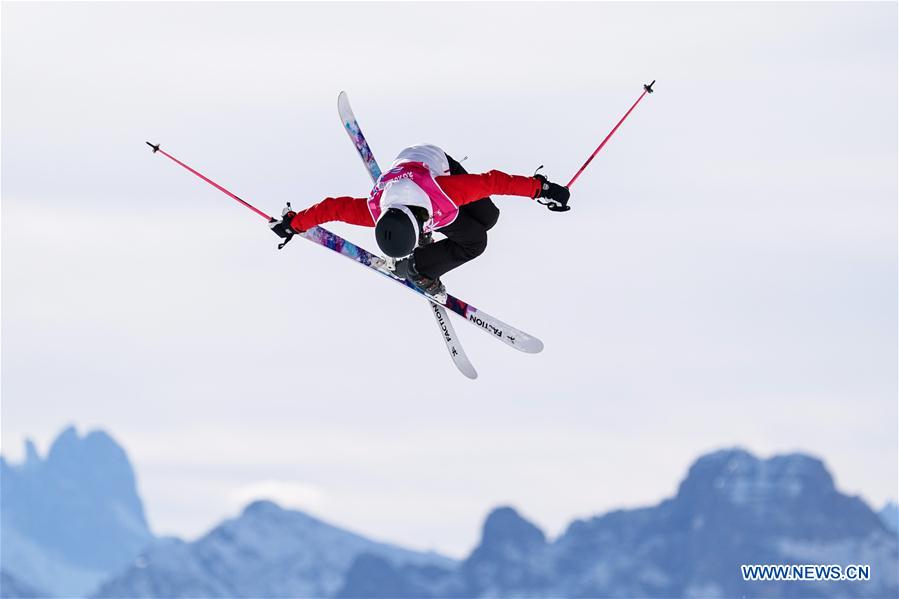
x,y
556,195
282,227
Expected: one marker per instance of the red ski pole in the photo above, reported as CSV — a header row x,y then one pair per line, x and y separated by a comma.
x,y
647,89
211,182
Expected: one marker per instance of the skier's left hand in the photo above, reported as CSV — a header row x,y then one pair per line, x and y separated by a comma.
x,y
556,194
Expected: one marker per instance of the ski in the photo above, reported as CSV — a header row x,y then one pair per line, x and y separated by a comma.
x,y
480,319
351,126
492,326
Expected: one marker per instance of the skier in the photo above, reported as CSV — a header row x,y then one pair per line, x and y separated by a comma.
x,y
426,190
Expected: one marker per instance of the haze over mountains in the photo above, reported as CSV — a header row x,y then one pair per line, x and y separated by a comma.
x,y
72,519
73,524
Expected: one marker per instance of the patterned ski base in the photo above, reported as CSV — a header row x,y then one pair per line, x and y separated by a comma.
x,y
487,323
352,128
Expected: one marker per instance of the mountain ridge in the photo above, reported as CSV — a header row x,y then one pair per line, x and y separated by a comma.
x,y
731,508
266,551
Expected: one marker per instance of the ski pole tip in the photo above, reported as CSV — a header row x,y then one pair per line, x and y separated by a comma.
x,y
155,148
648,87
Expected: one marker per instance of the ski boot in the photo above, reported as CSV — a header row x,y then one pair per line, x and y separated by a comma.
x,y
405,269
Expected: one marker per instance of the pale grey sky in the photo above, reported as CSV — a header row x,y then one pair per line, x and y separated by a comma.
x,y
727,276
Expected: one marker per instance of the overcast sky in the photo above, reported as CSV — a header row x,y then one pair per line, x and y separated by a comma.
x,y
727,275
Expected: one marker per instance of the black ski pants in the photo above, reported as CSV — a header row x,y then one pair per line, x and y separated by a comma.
x,y
466,237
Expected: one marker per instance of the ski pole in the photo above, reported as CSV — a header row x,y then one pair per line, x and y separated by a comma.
x,y
647,89
211,182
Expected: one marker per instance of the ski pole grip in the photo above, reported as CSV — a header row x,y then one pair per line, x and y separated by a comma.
x,y
648,88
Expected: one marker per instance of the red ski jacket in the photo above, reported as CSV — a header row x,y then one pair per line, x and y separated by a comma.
x,y
461,189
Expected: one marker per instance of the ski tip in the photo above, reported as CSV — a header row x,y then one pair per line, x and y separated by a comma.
x,y
523,342
343,106
155,148
527,344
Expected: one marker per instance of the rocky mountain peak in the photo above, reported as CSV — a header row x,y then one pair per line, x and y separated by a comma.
x,y
740,478
505,526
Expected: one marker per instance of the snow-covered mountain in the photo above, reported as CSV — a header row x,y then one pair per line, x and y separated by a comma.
x,y
10,586
74,520
731,509
70,520
266,552
889,513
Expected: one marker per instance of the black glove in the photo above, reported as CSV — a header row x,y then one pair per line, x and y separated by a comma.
x,y
555,194
282,227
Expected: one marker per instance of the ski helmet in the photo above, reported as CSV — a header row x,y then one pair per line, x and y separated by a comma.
x,y
397,231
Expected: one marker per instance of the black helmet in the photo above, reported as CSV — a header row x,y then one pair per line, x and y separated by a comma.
x,y
397,231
